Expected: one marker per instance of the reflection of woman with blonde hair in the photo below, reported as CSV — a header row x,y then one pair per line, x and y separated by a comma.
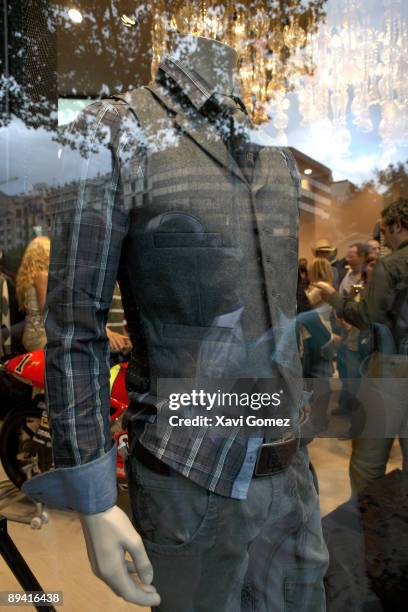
x,y
31,291
319,344
320,270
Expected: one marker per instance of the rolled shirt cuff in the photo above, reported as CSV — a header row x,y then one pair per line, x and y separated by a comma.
x,y
88,488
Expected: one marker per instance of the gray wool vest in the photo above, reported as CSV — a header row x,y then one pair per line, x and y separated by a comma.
x,y
212,259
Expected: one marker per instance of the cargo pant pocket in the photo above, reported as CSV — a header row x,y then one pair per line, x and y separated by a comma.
x,y
304,592
172,514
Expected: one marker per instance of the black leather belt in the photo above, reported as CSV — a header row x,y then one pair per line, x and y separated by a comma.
x,y
150,461
273,457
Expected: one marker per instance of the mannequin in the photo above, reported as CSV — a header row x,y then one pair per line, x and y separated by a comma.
x,y
109,534
204,247
212,60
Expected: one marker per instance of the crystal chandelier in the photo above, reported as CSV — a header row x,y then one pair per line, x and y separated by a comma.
x,y
361,67
265,33
348,63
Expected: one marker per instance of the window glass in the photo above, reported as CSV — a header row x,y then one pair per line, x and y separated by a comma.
x,y
200,203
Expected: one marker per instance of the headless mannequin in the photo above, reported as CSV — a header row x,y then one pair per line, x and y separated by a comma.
x,y
110,534
212,60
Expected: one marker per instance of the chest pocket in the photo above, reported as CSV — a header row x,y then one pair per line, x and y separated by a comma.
x,y
181,230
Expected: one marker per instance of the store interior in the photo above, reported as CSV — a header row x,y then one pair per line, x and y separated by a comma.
x,y
325,80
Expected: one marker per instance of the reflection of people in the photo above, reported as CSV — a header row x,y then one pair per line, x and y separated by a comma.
x,y
355,258
5,318
12,320
323,248
5,324
119,341
31,289
348,358
374,248
303,283
365,338
368,269
207,270
319,344
384,391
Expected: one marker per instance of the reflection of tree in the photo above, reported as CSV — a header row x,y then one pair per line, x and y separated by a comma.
x,y
103,55
270,37
122,54
392,182
28,81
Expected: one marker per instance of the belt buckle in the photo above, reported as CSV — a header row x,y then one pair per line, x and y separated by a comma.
x,y
275,457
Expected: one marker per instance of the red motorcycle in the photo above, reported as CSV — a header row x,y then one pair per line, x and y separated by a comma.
x,y
25,439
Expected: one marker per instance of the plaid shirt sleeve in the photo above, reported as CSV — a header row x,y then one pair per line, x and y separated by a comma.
x,y
89,228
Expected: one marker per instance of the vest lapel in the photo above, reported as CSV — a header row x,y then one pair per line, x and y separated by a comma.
x,y
207,137
201,131
261,171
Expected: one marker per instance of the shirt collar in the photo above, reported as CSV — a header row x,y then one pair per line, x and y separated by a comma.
x,y
194,86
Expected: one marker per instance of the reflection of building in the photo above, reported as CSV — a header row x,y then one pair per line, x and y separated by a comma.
x,y
316,211
132,178
67,194
338,211
21,217
342,191
358,211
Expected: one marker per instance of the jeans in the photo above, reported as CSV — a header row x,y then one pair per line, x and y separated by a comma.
x,y
216,554
348,365
383,396
320,387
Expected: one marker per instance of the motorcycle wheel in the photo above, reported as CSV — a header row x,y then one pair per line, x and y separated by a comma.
x,y
20,456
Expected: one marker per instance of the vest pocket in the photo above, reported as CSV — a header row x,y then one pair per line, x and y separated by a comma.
x,y
192,332
167,240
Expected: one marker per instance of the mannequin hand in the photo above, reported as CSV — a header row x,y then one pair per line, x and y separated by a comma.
x,y
108,536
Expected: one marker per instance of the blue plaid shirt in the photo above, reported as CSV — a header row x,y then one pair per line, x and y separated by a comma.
x,y
90,226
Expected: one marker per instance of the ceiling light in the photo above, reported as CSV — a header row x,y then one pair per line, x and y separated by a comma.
x,y
129,22
308,171
75,15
